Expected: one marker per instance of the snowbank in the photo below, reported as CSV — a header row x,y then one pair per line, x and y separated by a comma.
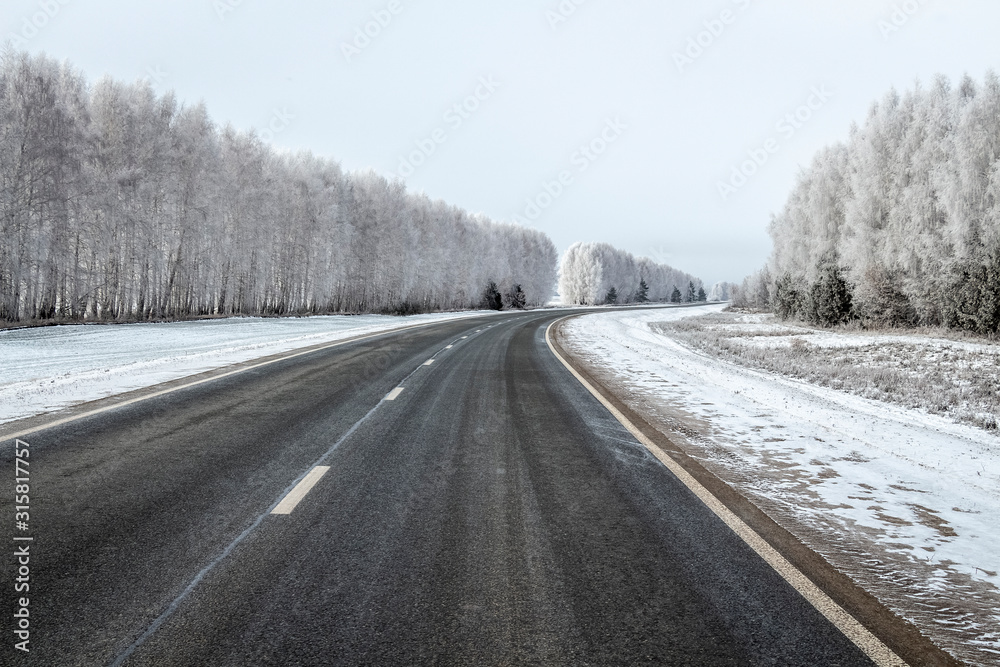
x,y
51,368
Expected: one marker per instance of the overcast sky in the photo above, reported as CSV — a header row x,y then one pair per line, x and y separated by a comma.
x,y
642,107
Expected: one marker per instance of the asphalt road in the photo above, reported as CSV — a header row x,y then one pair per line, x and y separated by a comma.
x,y
493,513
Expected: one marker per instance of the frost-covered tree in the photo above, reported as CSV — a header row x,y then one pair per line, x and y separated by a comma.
x,y
118,203
907,209
755,292
720,291
589,270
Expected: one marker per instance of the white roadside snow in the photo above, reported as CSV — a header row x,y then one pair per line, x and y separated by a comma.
x,y
50,368
905,502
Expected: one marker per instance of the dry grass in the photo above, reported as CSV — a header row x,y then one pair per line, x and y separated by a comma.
x,y
953,375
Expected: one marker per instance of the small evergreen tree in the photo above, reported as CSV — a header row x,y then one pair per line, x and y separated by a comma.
x,y
702,297
974,301
788,301
642,294
691,294
491,297
830,298
612,296
675,296
516,298
881,302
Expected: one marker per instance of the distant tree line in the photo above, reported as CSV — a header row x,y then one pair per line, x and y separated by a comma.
x,y
117,203
721,291
899,226
598,273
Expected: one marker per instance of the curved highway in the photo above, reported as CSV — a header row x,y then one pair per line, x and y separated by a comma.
x,y
491,512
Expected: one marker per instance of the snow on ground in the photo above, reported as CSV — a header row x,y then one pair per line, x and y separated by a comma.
x,y
903,501
944,373
51,368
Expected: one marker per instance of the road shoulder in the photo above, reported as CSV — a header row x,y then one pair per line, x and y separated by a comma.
x,y
896,633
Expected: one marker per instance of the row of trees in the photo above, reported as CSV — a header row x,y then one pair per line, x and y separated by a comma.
x,y
598,273
514,298
119,204
721,291
900,225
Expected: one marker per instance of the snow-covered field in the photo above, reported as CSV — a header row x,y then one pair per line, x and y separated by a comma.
x,y
51,368
904,501
941,372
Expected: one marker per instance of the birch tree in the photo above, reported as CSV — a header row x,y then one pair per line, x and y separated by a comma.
x,y
120,204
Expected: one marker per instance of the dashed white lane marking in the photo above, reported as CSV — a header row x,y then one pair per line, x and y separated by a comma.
x,y
173,606
880,654
449,347
285,506
428,362
464,337
296,495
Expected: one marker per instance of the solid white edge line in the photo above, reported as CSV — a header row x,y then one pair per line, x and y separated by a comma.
x,y
871,645
292,354
295,496
392,395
